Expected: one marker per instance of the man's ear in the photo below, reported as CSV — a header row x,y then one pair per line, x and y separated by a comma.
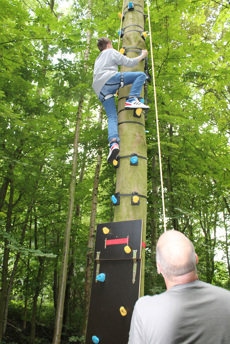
x,y
197,258
158,268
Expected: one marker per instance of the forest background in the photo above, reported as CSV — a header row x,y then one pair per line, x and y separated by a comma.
x,y
50,115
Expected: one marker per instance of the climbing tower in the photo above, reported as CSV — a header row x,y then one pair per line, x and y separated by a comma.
x,y
118,278
131,175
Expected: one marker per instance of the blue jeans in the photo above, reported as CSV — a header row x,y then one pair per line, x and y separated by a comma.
x,y
137,80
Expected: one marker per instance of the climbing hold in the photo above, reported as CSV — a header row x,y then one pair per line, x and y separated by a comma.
x,y
134,160
119,15
142,100
144,35
137,112
121,33
116,199
95,340
135,199
101,277
105,230
116,163
122,51
127,249
123,311
131,6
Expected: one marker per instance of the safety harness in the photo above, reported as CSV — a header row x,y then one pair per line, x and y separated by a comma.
x,y
106,97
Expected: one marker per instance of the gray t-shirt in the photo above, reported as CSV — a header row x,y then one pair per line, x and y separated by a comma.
x,y
106,66
195,312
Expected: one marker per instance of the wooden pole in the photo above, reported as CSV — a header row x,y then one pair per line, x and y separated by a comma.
x,y
132,135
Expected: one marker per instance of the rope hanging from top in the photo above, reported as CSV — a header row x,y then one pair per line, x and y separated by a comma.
x,y
119,40
157,120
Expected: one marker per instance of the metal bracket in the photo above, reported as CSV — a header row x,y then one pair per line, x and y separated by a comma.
x,y
134,265
98,264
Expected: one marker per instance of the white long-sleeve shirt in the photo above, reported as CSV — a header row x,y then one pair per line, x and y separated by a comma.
x,y
106,66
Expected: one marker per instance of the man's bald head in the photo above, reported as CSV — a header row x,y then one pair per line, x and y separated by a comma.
x,y
175,255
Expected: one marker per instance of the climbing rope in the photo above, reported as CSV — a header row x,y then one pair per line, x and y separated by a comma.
x,y
157,120
122,13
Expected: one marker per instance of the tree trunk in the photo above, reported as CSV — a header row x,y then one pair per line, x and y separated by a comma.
x,y
80,180
89,259
70,274
63,275
3,190
10,285
3,300
154,217
133,140
38,284
226,243
35,299
170,186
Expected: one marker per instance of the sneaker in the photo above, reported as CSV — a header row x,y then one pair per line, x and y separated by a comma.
x,y
134,103
113,152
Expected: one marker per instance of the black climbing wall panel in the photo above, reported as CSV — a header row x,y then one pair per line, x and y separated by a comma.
x,y
122,281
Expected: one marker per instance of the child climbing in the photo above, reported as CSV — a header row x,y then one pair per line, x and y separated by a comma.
x,y
107,80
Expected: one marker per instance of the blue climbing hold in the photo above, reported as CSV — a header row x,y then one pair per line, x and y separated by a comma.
x,y
130,6
134,160
121,33
142,100
114,199
101,277
95,340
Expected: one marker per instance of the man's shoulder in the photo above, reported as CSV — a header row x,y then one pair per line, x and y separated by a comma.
x,y
218,290
149,300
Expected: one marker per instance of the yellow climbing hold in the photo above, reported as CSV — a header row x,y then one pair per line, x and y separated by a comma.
x,y
144,34
119,15
115,162
122,51
135,199
138,111
123,311
127,249
105,230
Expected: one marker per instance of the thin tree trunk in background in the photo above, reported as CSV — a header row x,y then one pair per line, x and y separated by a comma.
x,y
80,180
3,300
55,275
133,140
3,190
174,220
71,264
154,217
210,242
89,256
10,285
227,205
70,274
26,297
35,299
39,282
63,276
226,243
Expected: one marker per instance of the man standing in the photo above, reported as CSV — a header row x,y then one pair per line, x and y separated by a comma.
x,y
107,80
190,311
